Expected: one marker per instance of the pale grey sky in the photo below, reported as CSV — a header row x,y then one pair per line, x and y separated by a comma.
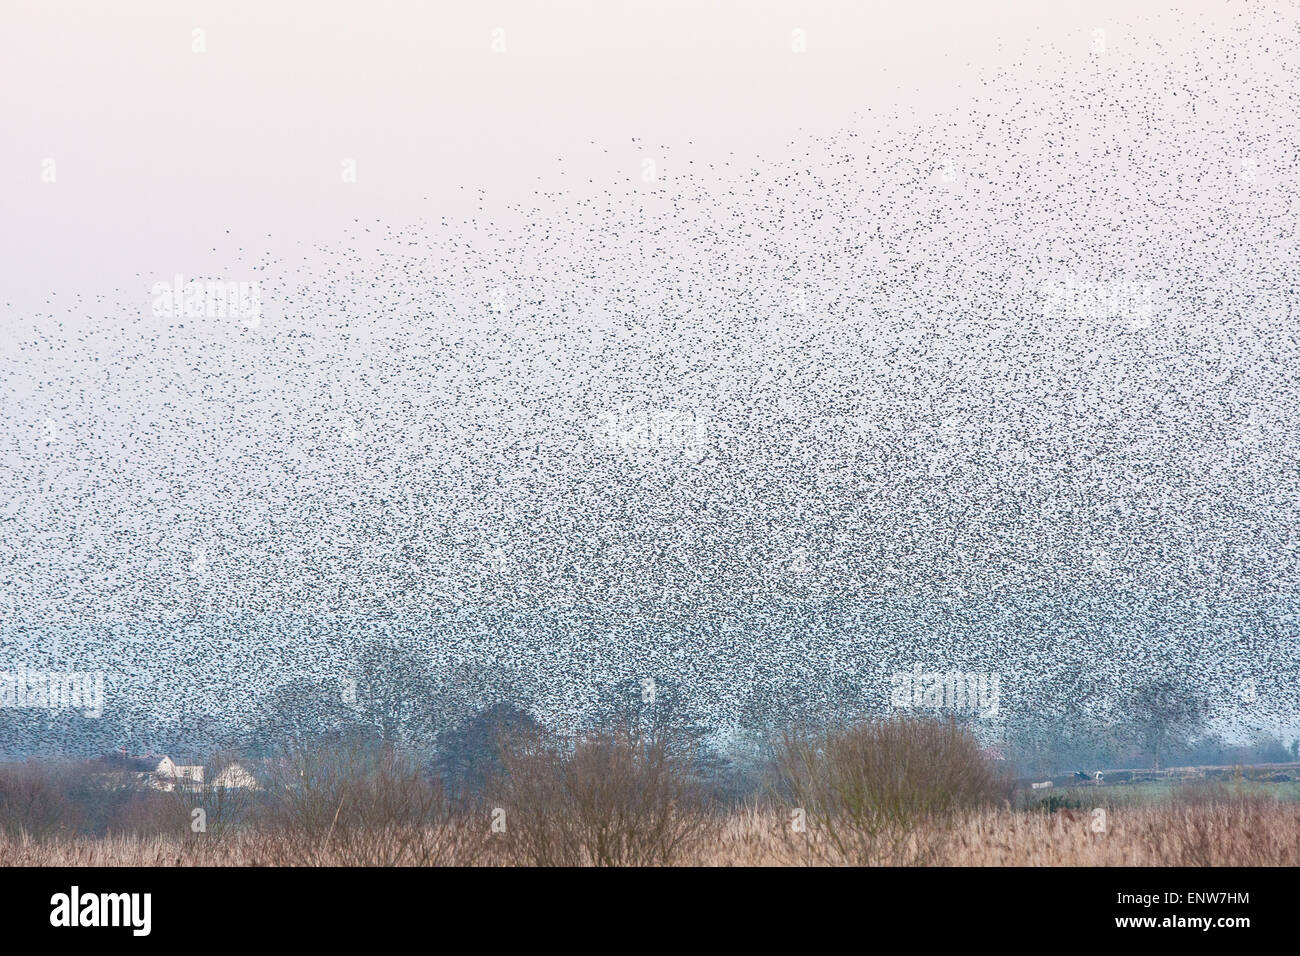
x,y
167,160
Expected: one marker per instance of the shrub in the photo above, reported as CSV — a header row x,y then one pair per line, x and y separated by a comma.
x,y
221,807
608,798
353,805
150,814
1054,802
34,801
867,788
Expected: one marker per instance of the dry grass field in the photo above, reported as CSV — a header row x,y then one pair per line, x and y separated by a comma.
x,y
1206,835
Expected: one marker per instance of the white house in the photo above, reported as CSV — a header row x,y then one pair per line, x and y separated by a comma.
x,y
169,774
235,777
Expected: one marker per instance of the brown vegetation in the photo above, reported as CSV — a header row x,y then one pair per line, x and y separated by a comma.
x,y
1216,835
352,807
873,791
607,799
883,793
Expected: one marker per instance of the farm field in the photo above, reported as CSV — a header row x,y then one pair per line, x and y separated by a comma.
x,y
1154,793
884,793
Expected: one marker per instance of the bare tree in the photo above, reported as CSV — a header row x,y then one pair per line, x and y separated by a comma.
x,y
404,697
1166,710
395,691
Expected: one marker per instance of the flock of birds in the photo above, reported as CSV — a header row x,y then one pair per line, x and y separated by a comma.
x,y
1011,390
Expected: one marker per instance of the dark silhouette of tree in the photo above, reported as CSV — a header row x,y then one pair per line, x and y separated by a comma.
x,y
395,691
1165,712
648,709
1067,720
469,754
407,699
656,712
302,712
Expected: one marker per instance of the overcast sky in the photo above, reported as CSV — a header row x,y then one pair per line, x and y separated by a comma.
x,y
167,160
971,300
